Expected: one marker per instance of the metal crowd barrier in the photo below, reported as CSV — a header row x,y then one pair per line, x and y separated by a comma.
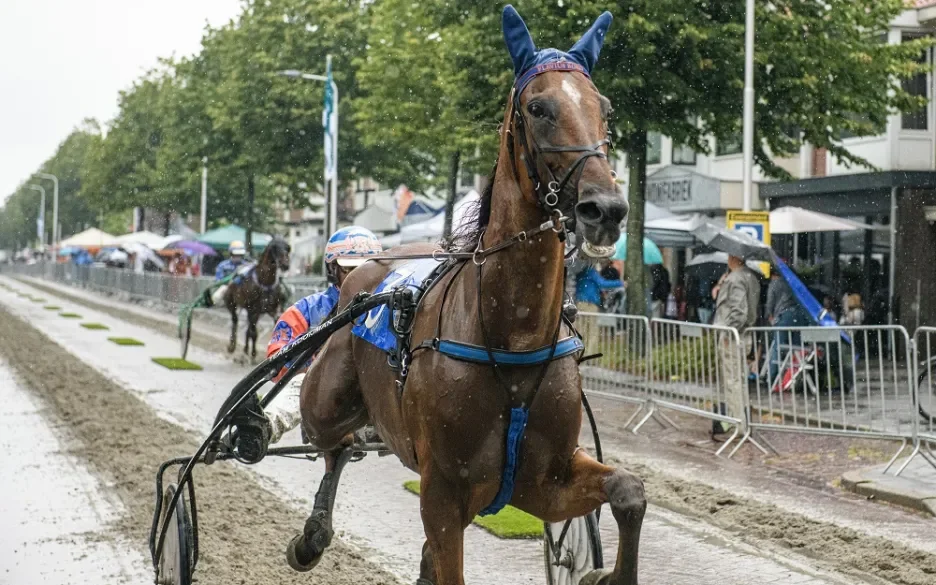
x,y
852,381
155,286
924,374
620,373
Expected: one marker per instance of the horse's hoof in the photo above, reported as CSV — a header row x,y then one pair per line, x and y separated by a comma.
x,y
596,577
231,348
293,558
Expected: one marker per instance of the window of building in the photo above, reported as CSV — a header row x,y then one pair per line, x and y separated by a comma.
x,y
729,145
683,155
654,148
917,86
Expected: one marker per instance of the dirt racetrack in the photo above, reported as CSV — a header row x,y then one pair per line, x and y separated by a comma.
x,y
243,528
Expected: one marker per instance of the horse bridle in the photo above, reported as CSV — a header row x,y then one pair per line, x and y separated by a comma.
x,y
548,192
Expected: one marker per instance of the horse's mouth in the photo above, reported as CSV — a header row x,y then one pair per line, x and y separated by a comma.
x,y
594,251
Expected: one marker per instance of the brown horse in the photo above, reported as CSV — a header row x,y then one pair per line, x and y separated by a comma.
x,y
259,292
450,421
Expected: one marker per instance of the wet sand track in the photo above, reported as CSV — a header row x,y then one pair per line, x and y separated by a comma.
x,y
243,527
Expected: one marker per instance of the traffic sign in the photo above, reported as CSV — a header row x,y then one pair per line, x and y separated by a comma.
x,y
755,224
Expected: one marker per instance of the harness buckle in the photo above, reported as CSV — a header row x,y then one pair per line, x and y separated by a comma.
x,y
478,254
522,237
551,199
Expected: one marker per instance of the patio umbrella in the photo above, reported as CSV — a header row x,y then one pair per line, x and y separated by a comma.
x,y
732,242
796,220
192,247
716,258
651,253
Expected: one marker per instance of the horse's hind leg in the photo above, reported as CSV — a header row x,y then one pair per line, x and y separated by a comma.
x,y
252,319
588,485
305,550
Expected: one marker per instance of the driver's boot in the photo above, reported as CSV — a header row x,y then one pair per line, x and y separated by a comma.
x,y
253,432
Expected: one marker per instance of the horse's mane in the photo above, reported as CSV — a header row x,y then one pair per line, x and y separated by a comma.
x,y
465,236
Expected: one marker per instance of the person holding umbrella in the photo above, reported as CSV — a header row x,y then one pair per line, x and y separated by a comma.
x,y
735,307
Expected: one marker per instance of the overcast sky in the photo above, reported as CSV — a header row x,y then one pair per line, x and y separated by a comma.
x,y
62,61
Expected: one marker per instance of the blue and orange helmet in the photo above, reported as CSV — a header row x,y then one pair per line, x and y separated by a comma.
x,y
352,246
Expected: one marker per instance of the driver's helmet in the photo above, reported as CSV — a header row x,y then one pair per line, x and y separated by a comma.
x,y
237,248
351,246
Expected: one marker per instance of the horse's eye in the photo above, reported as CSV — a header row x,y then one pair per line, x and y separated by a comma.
x,y
536,110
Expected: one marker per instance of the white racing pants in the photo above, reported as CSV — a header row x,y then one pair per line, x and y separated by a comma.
x,y
217,298
283,411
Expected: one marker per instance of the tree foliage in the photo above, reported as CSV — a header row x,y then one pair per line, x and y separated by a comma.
x,y
423,85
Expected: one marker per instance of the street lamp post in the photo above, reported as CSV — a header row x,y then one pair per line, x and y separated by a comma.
x,y
40,229
333,191
204,194
55,225
747,178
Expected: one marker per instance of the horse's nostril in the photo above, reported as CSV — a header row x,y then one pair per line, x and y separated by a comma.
x,y
589,212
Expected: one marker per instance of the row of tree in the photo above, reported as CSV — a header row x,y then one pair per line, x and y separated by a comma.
x,y
423,86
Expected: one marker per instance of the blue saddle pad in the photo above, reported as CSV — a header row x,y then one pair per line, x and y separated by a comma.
x,y
374,326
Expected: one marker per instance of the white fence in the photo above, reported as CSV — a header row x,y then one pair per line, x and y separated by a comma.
x,y
154,286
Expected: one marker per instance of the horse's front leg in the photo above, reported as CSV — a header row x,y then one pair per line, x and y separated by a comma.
x,y
232,344
587,485
445,515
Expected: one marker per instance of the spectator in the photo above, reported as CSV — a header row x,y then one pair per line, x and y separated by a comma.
x,y
659,290
828,305
588,287
853,313
784,311
735,294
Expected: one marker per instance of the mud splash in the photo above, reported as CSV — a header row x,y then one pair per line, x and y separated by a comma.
x,y
243,527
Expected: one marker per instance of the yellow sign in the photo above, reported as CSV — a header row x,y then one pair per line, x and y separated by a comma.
x,y
755,224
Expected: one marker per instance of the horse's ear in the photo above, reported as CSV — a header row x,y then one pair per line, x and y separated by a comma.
x,y
519,42
586,50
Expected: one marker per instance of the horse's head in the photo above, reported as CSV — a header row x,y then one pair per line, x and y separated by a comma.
x,y
279,250
558,123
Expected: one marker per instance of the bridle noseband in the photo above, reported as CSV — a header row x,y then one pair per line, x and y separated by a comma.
x,y
548,192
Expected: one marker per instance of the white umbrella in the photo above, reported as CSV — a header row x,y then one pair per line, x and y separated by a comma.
x,y
144,237
796,220
144,253
719,258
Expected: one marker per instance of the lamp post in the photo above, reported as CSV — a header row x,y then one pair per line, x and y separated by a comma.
x,y
55,226
333,191
748,122
40,227
204,194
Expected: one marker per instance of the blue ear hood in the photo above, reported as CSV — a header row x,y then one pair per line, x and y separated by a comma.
x,y
581,57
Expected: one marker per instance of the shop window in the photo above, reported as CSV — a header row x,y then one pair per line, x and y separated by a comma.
x,y
654,148
683,155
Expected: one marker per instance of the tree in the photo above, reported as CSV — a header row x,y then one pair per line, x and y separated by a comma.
x,y
676,67
19,213
433,84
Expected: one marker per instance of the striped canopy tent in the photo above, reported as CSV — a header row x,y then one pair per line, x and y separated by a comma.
x,y
221,238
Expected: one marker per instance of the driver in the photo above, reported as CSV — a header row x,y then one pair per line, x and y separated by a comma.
x,y
238,253
346,249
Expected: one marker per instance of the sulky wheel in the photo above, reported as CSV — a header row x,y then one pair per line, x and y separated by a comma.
x,y
175,562
572,552
185,334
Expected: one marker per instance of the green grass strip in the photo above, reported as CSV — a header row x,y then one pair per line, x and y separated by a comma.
x,y
35,300
70,315
177,364
508,523
95,326
125,341
52,308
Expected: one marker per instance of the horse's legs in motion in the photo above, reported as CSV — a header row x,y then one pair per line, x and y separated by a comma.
x,y
332,409
305,550
588,485
232,345
445,516
426,567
